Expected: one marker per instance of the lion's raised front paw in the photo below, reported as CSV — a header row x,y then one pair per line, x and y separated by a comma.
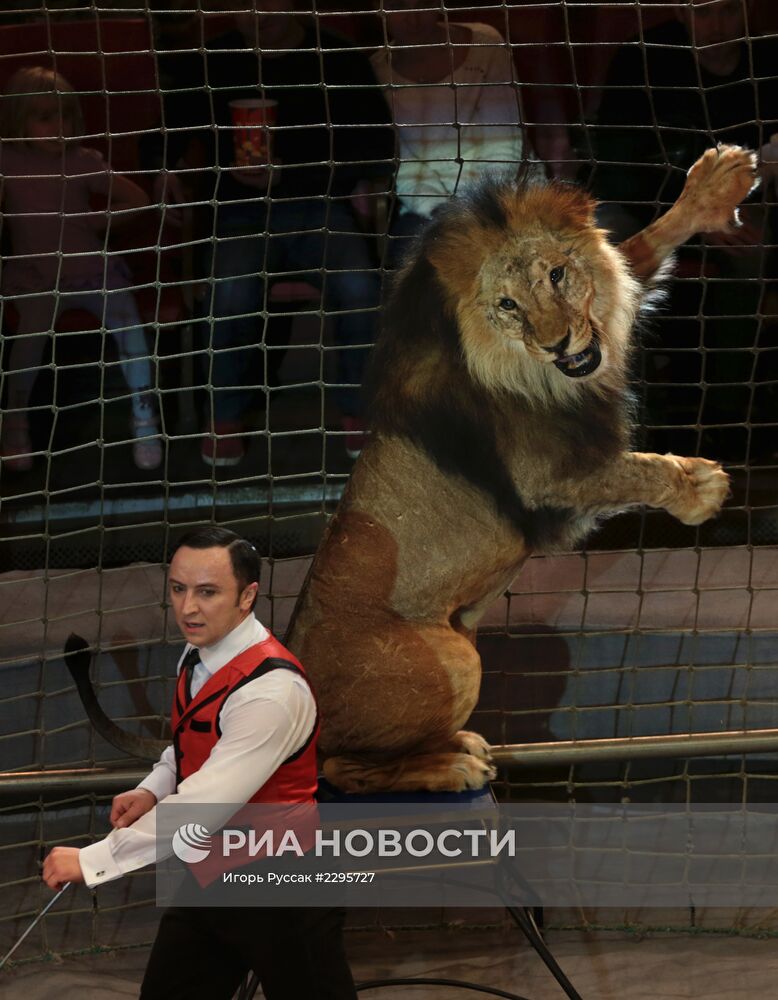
x,y
716,185
703,490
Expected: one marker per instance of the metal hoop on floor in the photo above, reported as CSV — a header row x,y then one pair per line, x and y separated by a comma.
x,y
248,990
524,921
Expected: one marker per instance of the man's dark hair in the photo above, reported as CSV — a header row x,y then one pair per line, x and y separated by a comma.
x,y
243,555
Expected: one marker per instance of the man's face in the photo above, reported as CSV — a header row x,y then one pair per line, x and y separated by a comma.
x,y
716,27
205,596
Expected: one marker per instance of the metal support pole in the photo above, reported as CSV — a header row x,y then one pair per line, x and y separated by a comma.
x,y
70,781
106,781
636,748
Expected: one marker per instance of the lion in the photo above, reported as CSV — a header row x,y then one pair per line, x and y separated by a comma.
x,y
501,423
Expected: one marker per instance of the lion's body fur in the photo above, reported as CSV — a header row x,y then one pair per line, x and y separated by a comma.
x,y
483,452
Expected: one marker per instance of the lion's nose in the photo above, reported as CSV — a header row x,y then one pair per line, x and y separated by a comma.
x,y
561,347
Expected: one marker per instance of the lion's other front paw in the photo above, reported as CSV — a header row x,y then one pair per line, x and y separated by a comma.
x,y
473,744
703,490
471,772
716,185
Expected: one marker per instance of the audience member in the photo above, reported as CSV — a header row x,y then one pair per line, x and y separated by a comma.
x,y
455,106
58,260
285,208
688,84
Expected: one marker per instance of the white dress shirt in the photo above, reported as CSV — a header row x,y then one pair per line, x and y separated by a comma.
x,y
262,723
450,133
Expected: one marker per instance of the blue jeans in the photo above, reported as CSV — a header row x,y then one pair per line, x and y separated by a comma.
x,y
38,315
256,242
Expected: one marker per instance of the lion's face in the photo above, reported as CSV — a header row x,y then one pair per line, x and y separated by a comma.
x,y
544,303
538,294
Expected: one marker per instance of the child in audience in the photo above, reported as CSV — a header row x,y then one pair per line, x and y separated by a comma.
x,y
58,261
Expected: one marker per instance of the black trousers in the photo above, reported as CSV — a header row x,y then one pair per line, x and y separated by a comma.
x,y
204,953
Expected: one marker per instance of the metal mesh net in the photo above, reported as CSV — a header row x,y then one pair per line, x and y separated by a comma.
x,y
210,373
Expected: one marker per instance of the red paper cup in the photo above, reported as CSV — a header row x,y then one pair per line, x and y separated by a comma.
x,y
251,121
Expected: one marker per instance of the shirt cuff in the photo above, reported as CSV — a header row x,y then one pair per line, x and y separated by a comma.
x,y
97,864
160,783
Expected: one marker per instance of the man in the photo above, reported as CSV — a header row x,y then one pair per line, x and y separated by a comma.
x,y
292,214
261,748
693,81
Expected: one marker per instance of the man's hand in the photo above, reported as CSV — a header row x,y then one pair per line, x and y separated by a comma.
x,y
129,806
262,176
61,866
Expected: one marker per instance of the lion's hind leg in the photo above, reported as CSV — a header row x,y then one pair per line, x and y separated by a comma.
x,y
432,772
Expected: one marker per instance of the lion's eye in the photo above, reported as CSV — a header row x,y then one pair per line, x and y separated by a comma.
x,y
556,274
508,304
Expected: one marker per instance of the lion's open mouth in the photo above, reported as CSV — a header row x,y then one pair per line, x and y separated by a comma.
x,y
583,363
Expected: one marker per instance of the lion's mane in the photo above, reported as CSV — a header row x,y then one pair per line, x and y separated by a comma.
x,y
444,379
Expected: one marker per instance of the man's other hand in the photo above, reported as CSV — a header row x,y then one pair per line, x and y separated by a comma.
x,y
129,806
61,866
263,175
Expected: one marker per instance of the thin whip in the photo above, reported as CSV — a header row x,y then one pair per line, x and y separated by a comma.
x,y
43,913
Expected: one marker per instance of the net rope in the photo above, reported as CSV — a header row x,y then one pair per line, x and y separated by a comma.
x,y
653,628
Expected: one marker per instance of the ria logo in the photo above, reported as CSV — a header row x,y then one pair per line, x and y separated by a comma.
x,y
191,843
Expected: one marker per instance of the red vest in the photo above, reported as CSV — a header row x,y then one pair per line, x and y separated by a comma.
x,y
196,729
